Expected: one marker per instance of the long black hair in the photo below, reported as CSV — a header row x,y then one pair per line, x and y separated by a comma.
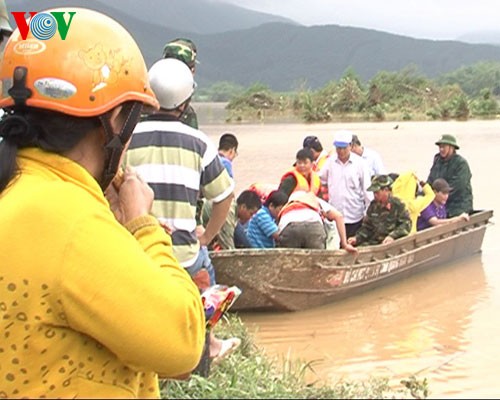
x,y
31,127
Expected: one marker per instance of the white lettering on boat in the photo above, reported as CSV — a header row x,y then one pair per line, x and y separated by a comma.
x,y
375,270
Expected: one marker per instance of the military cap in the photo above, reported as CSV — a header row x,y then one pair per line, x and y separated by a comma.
x,y
380,182
181,49
448,139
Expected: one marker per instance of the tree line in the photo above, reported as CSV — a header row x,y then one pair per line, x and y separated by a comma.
x,y
469,92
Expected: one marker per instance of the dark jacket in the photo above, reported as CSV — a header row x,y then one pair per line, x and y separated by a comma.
x,y
457,173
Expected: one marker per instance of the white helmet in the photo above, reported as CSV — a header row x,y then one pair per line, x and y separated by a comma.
x,y
4,19
172,82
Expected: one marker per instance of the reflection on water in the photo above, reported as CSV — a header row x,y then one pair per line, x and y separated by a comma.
x,y
413,327
441,324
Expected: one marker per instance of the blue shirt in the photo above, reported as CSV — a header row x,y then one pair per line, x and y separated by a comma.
x,y
227,164
261,228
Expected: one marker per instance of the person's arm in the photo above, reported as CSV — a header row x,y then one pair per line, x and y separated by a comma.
x,y
365,232
434,172
288,185
332,214
435,221
460,176
403,223
365,184
421,202
217,219
122,286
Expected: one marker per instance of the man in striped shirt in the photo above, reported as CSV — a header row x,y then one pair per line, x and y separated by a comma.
x,y
179,163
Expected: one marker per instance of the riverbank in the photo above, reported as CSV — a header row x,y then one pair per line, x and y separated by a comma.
x,y
251,374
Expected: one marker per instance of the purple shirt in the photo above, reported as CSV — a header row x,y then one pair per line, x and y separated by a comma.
x,y
432,210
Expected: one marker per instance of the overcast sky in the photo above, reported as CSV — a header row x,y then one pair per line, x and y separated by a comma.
x,y
429,19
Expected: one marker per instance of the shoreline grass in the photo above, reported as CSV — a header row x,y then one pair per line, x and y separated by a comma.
x,y
250,374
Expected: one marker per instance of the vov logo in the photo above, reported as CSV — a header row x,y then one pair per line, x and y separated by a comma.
x,y
43,25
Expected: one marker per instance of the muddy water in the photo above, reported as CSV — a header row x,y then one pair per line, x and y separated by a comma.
x,y
443,324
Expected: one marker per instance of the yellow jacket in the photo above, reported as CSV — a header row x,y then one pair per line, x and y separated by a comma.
x,y
404,188
88,308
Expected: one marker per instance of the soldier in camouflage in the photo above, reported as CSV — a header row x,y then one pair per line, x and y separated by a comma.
x,y
185,51
386,218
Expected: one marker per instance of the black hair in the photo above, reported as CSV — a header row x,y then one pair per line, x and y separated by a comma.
x,y
249,199
227,142
312,142
276,198
47,130
304,154
355,140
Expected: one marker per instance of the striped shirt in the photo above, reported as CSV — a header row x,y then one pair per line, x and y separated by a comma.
x,y
180,164
261,229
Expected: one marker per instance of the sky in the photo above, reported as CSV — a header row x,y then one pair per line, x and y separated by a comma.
x,y
423,19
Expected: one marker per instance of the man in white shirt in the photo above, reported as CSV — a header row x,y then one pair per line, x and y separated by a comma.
x,y
348,179
371,157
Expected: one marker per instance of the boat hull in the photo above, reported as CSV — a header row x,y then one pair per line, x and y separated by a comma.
x,y
297,279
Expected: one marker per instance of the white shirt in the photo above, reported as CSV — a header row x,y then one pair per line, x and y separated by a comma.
x,y
305,214
374,161
347,184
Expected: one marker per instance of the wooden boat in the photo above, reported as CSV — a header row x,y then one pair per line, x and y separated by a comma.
x,y
298,279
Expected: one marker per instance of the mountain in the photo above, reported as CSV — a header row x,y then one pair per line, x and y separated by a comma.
x,y
488,37
195,16
282,55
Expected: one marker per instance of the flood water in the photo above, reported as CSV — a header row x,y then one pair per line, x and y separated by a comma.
x,y
442,324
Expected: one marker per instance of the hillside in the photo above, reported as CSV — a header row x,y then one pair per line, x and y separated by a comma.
x,y
195,16
281,55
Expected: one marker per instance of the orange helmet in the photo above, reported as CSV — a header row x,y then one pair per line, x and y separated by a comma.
x,y
94,69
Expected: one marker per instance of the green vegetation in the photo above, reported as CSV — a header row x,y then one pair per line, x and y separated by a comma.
x,y
248,373
470,92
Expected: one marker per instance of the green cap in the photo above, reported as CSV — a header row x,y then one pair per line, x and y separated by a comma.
x,y
181,49
448,139
380,182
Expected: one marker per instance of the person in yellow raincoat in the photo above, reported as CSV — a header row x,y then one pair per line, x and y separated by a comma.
x,y
406,187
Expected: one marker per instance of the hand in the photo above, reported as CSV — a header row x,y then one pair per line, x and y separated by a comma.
x,y
352,240
464,217
132,199
388,240
350,248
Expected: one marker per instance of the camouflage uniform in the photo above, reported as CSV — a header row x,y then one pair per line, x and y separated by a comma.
x,y
391,219
189,118
185,51
382,221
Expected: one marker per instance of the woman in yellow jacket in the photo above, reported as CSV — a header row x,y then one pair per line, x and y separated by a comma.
x,y
405,188
93,303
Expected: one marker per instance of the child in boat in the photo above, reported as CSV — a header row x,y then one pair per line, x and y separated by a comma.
x,y
435,213
262,229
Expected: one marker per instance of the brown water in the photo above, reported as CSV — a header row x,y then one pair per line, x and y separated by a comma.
x,y
443,324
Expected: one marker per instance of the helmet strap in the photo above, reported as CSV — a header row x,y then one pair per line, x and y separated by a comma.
x,y
19,91
185,109
115,142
